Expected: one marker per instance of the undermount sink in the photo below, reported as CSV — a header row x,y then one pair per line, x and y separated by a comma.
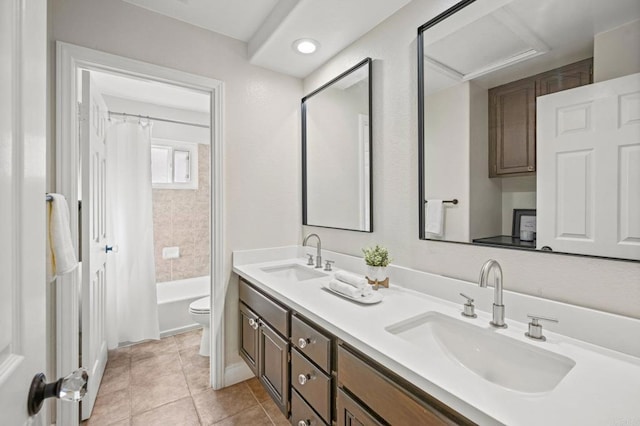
x,y
294,272
494,357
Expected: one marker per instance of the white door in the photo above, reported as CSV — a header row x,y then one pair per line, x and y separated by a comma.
x,y
588,177
22,205
93,112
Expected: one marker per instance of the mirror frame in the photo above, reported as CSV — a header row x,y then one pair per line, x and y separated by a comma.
x,y
421,146
365,62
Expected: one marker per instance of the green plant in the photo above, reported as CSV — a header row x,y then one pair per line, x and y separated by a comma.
x,y
376,256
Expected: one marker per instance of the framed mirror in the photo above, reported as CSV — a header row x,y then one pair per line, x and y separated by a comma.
x,y
336,152
529,126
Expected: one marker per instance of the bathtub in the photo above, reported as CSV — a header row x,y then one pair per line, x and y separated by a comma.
x,y
174,298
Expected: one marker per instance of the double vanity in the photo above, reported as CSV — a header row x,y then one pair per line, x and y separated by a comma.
x,y
415,358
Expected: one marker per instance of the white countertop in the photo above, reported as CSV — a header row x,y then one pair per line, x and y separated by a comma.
x,y
603,388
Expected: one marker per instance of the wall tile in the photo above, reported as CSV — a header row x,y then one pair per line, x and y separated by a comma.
x,y
181,218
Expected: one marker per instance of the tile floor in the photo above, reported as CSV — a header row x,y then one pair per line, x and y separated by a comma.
x,y
165,382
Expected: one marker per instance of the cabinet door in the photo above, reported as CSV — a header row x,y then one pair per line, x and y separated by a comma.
x,y
350,413
249,337
273,365
565,78
512,128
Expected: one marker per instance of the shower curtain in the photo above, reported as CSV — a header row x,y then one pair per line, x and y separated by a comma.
x,y
132,308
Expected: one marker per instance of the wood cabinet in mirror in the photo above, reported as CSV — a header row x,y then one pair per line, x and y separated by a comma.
x,y
532,105
337,154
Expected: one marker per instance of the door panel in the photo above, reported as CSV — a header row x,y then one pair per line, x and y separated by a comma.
x,y
22,206
589,169
94,265
274,366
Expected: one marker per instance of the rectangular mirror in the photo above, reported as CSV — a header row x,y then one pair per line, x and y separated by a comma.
x,y
529,117
336,152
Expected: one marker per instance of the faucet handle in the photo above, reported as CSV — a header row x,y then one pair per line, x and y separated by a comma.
x,y
469,308
327,265
310,260
535,328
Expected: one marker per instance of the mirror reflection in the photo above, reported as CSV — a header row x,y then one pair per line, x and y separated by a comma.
x,y
336,147
531,119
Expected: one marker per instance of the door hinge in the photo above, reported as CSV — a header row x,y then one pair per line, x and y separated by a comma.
x,y
288,356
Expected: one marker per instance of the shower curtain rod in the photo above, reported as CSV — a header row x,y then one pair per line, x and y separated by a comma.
x,y
166,120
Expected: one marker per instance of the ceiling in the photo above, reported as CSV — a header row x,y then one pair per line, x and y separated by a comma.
x,y
271,26
493,42
151,92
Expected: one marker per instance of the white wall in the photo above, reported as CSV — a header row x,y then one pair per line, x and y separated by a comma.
x,y
615,52
484,193
261,119
446,173
608,285
517,193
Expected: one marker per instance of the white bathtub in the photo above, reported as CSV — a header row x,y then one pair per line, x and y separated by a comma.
x,y
174,298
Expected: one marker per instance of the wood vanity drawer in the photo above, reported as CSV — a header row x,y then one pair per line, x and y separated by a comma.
x,y
395,404
302,413
269,311
311,342
312,384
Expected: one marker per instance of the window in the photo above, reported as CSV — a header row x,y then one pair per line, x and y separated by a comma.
x,y
174,165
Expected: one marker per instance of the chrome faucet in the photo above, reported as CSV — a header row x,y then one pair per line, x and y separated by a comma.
x,y
318,249
498,307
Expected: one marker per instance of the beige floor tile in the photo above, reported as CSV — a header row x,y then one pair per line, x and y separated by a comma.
x,y
255,416
155,366
274,413
197,378
214,406
153,348
125,422
115,379
178,413
190,338
110,408
257,389
191,356
151,392
120,357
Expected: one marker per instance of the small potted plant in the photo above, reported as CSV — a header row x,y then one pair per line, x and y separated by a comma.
x,y
377,259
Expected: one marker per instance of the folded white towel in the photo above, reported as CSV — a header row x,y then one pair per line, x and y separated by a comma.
x,y
62,256
347,289
357,281
435,217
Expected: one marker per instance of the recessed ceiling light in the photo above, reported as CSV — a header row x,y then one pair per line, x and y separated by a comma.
x,y
305,45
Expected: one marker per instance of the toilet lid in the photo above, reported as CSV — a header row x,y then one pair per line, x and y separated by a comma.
x,y
201,305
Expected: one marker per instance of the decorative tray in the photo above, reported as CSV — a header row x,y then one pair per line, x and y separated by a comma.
x,y
374,297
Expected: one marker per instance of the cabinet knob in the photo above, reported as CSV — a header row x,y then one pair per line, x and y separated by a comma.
x,y
304,378
253,323
530,168
304,423
302,342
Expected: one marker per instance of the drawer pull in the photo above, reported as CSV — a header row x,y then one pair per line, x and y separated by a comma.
x,y
253,323
302,342
304,423
304,378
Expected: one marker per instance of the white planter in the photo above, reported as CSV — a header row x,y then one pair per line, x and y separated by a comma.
x,y
377,273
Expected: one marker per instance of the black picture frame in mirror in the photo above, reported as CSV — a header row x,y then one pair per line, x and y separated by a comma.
x,y
368,227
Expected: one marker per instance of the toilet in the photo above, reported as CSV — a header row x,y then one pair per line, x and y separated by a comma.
x,y
200,311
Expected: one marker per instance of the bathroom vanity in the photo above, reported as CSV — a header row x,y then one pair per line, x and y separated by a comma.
x,y
413,359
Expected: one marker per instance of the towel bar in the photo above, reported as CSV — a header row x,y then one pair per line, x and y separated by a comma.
x,y
454,201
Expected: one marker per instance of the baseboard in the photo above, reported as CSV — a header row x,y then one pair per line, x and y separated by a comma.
x,y
236,373
179,330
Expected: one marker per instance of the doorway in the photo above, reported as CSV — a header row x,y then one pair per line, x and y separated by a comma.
x,y
72,61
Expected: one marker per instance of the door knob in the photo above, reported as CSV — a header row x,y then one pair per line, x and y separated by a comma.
x,y
70,388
